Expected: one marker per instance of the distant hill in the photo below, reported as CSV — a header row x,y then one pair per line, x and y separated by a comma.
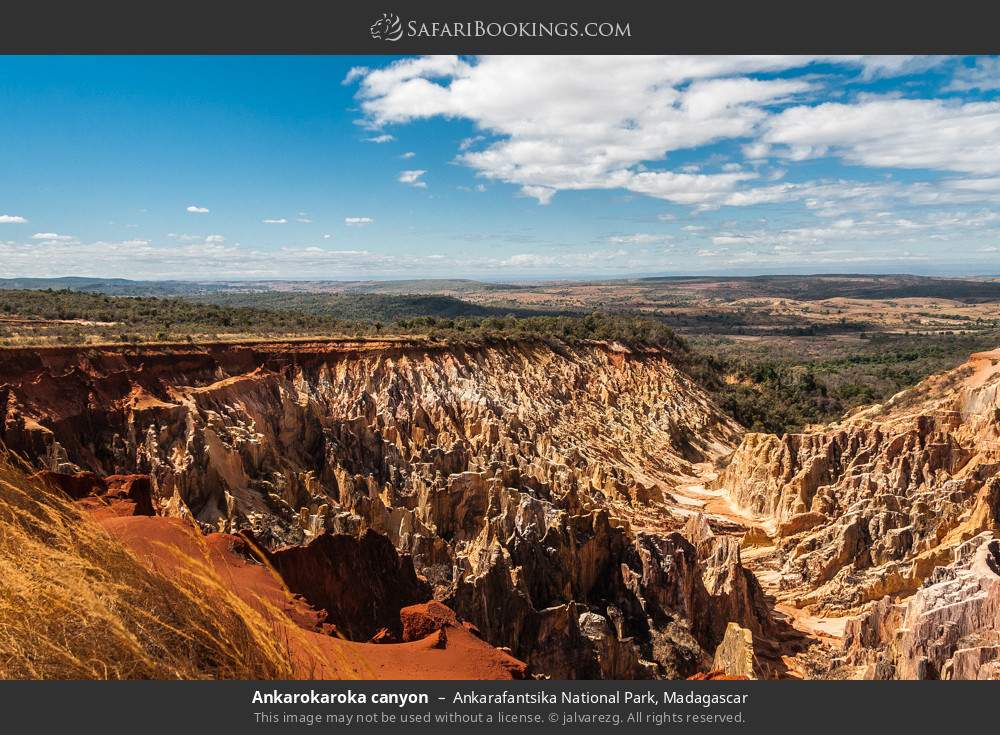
x,y
278,293
848,285
112,286
367,306
126,287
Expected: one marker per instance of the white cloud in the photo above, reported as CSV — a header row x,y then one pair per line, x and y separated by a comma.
x,y
408,155
12,219
358,221
53,237
640,238
876,236
704,190
756,151
215,239
969,236
562,123
194,209
384,138
467,143
874,67
354,73
591,261
984,76
275,221
890,132
543,194
412,177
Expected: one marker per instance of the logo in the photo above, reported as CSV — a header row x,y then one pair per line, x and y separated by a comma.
x,y
387,28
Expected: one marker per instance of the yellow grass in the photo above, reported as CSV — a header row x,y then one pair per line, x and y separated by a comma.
x,y
75,604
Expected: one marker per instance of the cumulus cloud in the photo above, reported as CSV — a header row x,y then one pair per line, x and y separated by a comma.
x,y
195,209
275,221
384,138
413,178
543,194
358,221
556,123
890,132
12,219
408,155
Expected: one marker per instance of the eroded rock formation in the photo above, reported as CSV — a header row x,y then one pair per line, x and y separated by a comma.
x,y
871,506
556,501
529,483
735,654
889,513
949,629
360,584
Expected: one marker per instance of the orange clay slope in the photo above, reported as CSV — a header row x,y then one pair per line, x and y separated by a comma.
x,y
166,543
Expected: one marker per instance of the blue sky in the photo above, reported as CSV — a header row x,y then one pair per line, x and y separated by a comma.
x,y
501,168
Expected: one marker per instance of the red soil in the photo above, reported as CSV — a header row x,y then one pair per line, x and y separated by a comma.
x,y
115,495
419,621
77,485
164,543
716,675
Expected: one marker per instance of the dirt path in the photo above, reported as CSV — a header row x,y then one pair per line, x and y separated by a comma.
x,y
715,505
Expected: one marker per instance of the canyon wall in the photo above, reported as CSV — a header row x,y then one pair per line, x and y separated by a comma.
x,y
882,514
529,482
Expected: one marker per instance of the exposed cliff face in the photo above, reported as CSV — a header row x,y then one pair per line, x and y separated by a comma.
x,y
361,584
882,506
556,500
872,505
512,474
949,629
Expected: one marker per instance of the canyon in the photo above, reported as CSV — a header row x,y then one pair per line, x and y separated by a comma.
x,y
578,510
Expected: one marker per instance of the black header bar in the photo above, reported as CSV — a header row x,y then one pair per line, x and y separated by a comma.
x,y
510,27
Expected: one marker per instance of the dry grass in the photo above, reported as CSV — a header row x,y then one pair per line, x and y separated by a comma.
x,y
75,604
